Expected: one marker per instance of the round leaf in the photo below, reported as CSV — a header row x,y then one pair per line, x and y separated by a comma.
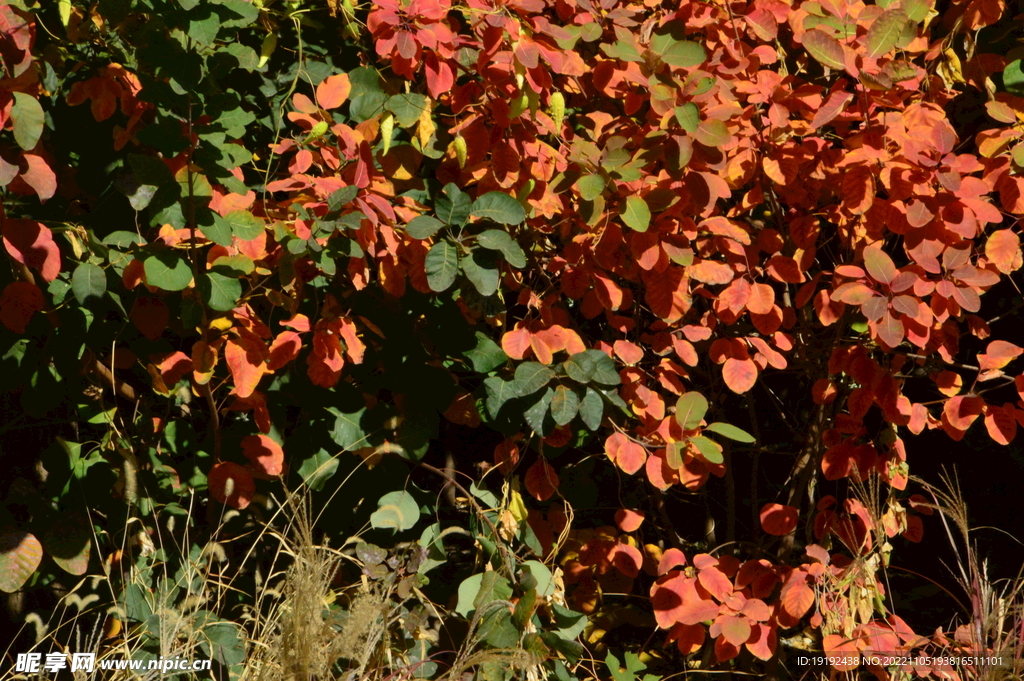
x,y
499,207
20,555
690,410
397,511
220,292
27,116
168,271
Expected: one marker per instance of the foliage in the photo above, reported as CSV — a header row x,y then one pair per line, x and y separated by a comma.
x,y
509,267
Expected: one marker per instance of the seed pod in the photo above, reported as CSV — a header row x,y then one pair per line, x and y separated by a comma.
x,y
556,104
267,49
459,143
518,106
387,126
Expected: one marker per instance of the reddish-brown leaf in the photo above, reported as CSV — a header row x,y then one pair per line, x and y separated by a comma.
x,y
778,520
231,484
541,480
19,302
150,316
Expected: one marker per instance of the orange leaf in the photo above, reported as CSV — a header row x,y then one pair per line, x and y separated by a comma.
x,y
797,596
516,341
1001,424
762,299
244,356
40,177
266,456
630,353
949,383
231,484
284,349
333,91
961,411
778,520
998,354
739,374
629,520
1003,249
711,272
541,480
624,453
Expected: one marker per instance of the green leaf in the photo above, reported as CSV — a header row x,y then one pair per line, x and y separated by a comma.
x,y
592,409
674,50
825,49
688,117
168,271
708,449
885,32
531,377
482,271
487,355
500,207
28,118
244,224
474,592
730,431
605,372
204,29
590,186
713,133
499,391
536,414
219,292
397,511
580,367
1013,78
318,469
341,198
674,454
407,107
622,50
498,240
453,207
348,432
690,410
498,630
423,227
636,214
565,404
442,265
88,282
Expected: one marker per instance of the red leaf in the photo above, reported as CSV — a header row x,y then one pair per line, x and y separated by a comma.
x,y
516,341
150,316
715,581
19,302
831,108
890,330
624,453
739,374
763,641
31,243
670,560
505,164
736,630
333,91
266,456
1001,424
506,456
961,411
541,480
173,367
627,559
778,520
858,190
231,484
440,77
40,177
688,637
284,349
629,520
998,354
245,359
